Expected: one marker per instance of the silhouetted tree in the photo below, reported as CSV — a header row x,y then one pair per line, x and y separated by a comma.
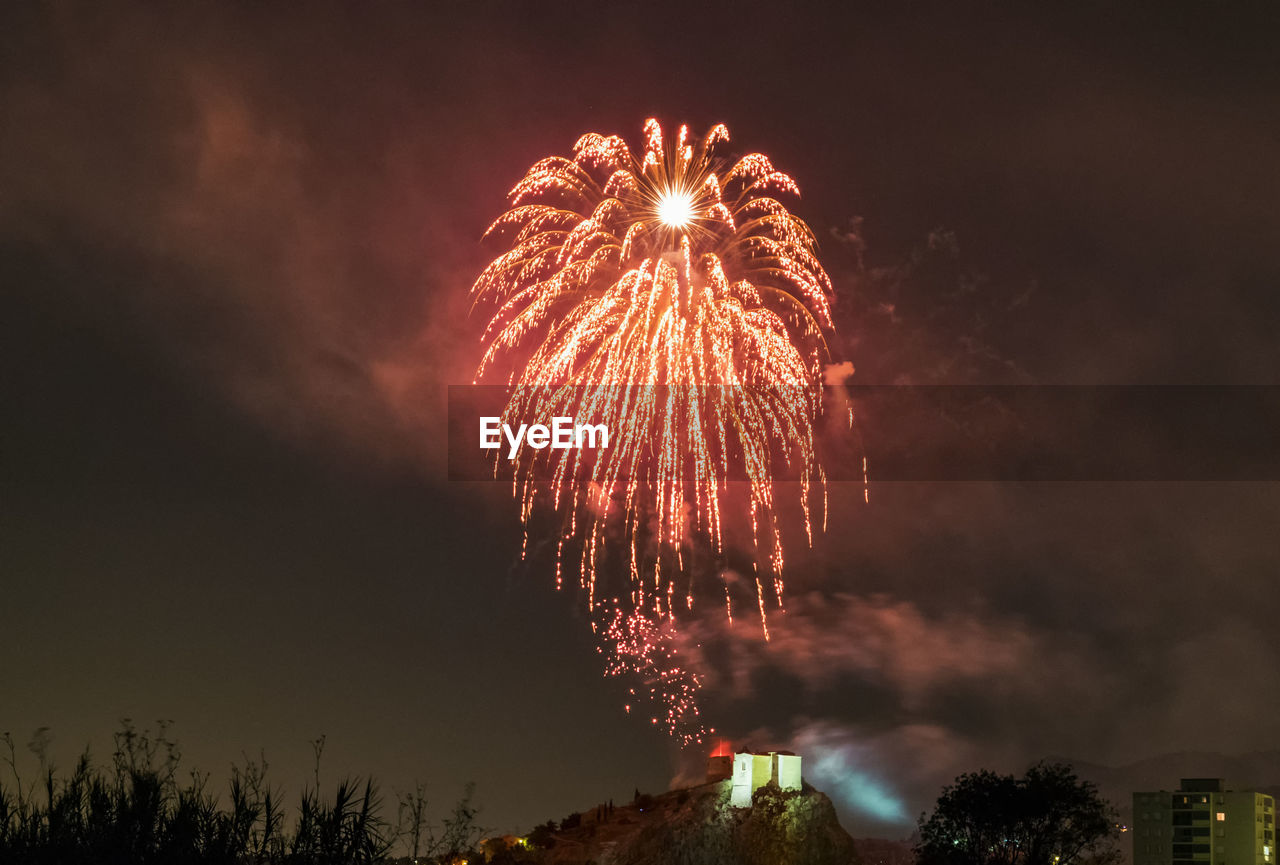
x,y
412,818
1047,817
544,835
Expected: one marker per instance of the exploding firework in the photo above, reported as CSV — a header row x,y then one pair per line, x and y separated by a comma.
x,y
672,297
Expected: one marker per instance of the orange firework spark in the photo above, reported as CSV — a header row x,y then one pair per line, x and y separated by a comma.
x,y
672,297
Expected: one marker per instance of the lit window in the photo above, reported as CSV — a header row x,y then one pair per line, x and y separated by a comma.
x,y
1222,815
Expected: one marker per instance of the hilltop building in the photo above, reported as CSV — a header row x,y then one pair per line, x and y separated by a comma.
x,y
753,771
1203,823
750,771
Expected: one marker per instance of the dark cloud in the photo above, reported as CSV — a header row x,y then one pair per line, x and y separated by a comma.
x,y
316,280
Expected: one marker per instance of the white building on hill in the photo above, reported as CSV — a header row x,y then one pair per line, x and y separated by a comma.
x,y
753,771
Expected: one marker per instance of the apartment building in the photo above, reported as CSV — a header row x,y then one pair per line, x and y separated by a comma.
x,y
1203,823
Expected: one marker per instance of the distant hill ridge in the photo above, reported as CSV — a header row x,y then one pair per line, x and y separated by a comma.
x,y
1256,770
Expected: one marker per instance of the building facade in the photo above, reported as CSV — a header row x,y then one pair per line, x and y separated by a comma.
x,y
753,771
1203,823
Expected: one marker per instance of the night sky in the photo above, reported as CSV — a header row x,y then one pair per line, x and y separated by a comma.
x,y
236,244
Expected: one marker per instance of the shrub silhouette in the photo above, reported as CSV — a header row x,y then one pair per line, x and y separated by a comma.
x,y
135,812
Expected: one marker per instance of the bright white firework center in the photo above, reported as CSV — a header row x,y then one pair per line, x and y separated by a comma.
x,y
675,208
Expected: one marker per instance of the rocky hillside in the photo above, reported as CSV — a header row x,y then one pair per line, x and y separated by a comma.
x,y
697,825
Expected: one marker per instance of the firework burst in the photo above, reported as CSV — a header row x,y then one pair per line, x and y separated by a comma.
x,y
671,296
